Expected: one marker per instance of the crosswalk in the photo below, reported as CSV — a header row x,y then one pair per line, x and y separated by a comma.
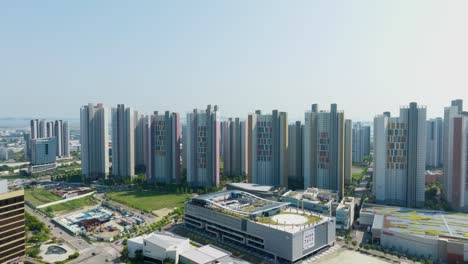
x,y
322,254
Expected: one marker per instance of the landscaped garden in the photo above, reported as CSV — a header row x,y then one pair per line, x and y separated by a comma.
x,y
40,196
69,206
148,201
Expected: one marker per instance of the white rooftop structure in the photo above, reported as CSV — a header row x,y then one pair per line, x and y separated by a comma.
x,y
253,186
314,195
159,246
3,186
205,254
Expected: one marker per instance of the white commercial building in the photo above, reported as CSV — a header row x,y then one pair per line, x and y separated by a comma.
x,y
157,247
345,213
206,255
160,246
432,235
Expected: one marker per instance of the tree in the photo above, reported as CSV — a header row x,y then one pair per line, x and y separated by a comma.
x,y
124,253
33,251
74,256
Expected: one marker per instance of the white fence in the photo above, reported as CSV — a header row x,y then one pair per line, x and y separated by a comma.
x,y
64,200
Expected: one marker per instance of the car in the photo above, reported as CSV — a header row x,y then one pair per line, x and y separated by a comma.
x,y
94,253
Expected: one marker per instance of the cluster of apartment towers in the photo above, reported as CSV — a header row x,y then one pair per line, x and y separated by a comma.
x,y
270,151
44,135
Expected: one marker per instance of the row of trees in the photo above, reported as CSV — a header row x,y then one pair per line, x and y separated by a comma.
x,y
435,198
38,233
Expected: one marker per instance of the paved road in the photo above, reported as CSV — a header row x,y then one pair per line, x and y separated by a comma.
x,y
89,253
100,253
77,242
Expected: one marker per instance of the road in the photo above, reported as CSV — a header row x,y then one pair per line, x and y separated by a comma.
x,y
100,253
89,253
76,242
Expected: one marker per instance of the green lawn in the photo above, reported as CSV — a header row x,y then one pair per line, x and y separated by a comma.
x,y
269,220
148,200
358,173
70,206
40,196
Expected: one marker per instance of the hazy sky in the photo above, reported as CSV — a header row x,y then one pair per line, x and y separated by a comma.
x,y
367,56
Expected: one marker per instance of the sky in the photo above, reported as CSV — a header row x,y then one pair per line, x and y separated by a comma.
x,y
366,56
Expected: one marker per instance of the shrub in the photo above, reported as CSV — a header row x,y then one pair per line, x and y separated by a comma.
x,y
74,256
33,252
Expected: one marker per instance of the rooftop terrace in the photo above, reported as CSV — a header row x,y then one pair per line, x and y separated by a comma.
x,y
313,195
238,202
273,214
424,223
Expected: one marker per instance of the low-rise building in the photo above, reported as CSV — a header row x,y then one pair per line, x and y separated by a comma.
x,y
324,202
312,199
345,213
160,246
435,235
264,191
156,247
262,227
434,176
208,254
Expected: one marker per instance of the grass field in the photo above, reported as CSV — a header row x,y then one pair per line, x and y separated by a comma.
x,y
357,173
70,206
148,200
40,196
